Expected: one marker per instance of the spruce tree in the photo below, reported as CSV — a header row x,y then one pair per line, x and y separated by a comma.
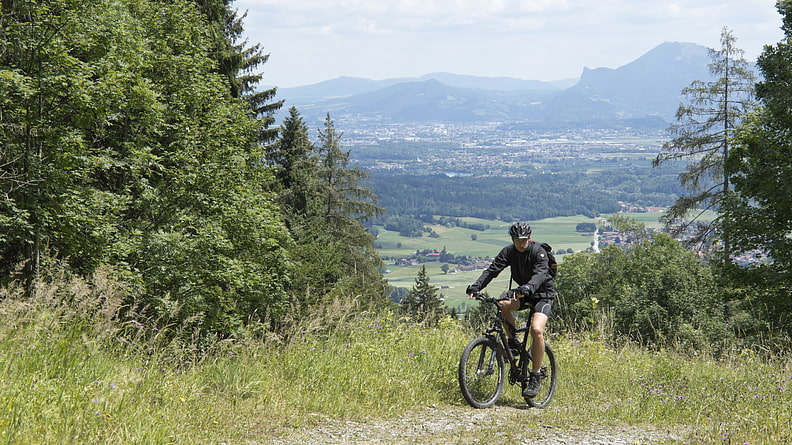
x,y
238,61
703,132
344,203
341,192
293,157
422,302
326,205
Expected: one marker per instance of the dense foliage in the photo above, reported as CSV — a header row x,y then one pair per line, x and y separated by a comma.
x,y
758,215
534,195
124,145
657,293
133,136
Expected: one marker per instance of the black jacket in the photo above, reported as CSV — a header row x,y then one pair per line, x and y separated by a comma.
x,y
529,267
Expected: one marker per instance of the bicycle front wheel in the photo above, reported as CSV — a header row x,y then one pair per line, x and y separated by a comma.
x,y
481,372
548,375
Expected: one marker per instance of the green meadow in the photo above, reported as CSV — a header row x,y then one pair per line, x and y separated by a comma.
x,y
559,232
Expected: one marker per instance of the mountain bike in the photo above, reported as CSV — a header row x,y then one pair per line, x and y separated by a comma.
x,y
482,368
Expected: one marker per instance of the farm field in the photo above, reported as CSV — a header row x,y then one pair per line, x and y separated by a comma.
x,y
558,232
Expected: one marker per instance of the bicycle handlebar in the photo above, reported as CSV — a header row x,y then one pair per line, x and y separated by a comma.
x,y
484,298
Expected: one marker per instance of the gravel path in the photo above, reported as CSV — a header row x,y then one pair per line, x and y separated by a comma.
x,y
462,425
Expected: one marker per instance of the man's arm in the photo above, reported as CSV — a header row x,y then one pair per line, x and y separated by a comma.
x,y
500,262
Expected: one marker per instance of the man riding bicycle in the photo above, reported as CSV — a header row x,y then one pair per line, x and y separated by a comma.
x,y
529,266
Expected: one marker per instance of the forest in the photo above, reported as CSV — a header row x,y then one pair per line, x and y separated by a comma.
x,y
532,196
137,144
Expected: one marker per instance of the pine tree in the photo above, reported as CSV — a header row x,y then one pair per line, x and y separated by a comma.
x,y
422,302
237,62
293,157
702,134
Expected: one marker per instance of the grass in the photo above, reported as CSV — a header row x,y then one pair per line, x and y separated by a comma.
x,y
67,380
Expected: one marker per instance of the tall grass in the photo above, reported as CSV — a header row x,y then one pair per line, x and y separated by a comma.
x,y
739,400
73,372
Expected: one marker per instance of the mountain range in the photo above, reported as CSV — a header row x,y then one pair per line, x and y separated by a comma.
x,y
646,90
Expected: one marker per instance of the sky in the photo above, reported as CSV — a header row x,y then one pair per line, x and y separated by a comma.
x,y
310,41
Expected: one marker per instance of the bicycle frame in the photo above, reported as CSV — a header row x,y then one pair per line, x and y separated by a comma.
x,y
497,332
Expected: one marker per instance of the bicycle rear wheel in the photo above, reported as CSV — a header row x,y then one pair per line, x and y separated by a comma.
x,y
549,373
481,372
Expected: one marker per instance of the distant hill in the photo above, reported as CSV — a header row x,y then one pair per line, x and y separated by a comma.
x,y
431,100
647,89
648,86
347,86
339,87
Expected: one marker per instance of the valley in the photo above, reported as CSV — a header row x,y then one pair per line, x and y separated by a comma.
x,y
498,149
490,174
488,151
481,247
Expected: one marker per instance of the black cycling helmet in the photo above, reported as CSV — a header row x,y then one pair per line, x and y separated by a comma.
x,y
520,230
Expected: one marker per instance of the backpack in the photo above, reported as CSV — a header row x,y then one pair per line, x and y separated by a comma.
x,y
551,261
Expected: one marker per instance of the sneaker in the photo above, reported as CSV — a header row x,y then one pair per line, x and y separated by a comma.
x,y
533,385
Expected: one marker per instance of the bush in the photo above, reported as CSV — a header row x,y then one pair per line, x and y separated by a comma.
x,y
657,293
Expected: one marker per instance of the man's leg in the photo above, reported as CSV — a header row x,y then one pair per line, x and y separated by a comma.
x,y
538,324
507,306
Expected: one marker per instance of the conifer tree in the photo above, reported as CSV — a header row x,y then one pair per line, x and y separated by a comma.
x,y
237,62
341,192
326,205
422,302
343,203
293,157
702,134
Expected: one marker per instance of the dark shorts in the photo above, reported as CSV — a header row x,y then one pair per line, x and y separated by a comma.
x,y
537,303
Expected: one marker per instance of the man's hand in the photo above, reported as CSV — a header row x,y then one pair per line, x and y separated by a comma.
x,y
525,290
472,289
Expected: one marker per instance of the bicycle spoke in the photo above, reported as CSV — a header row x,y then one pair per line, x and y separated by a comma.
x,y
481,373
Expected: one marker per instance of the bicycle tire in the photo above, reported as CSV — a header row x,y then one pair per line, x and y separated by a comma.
x,y
549,379
481,372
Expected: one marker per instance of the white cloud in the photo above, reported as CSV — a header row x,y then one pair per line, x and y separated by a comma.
x,y
314,40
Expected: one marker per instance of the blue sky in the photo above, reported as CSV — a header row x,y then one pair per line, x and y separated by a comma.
x,y
310,41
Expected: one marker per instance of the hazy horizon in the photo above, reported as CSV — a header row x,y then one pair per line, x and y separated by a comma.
x,y
310,41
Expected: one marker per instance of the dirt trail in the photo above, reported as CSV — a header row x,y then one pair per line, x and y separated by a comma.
x,y
462,425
